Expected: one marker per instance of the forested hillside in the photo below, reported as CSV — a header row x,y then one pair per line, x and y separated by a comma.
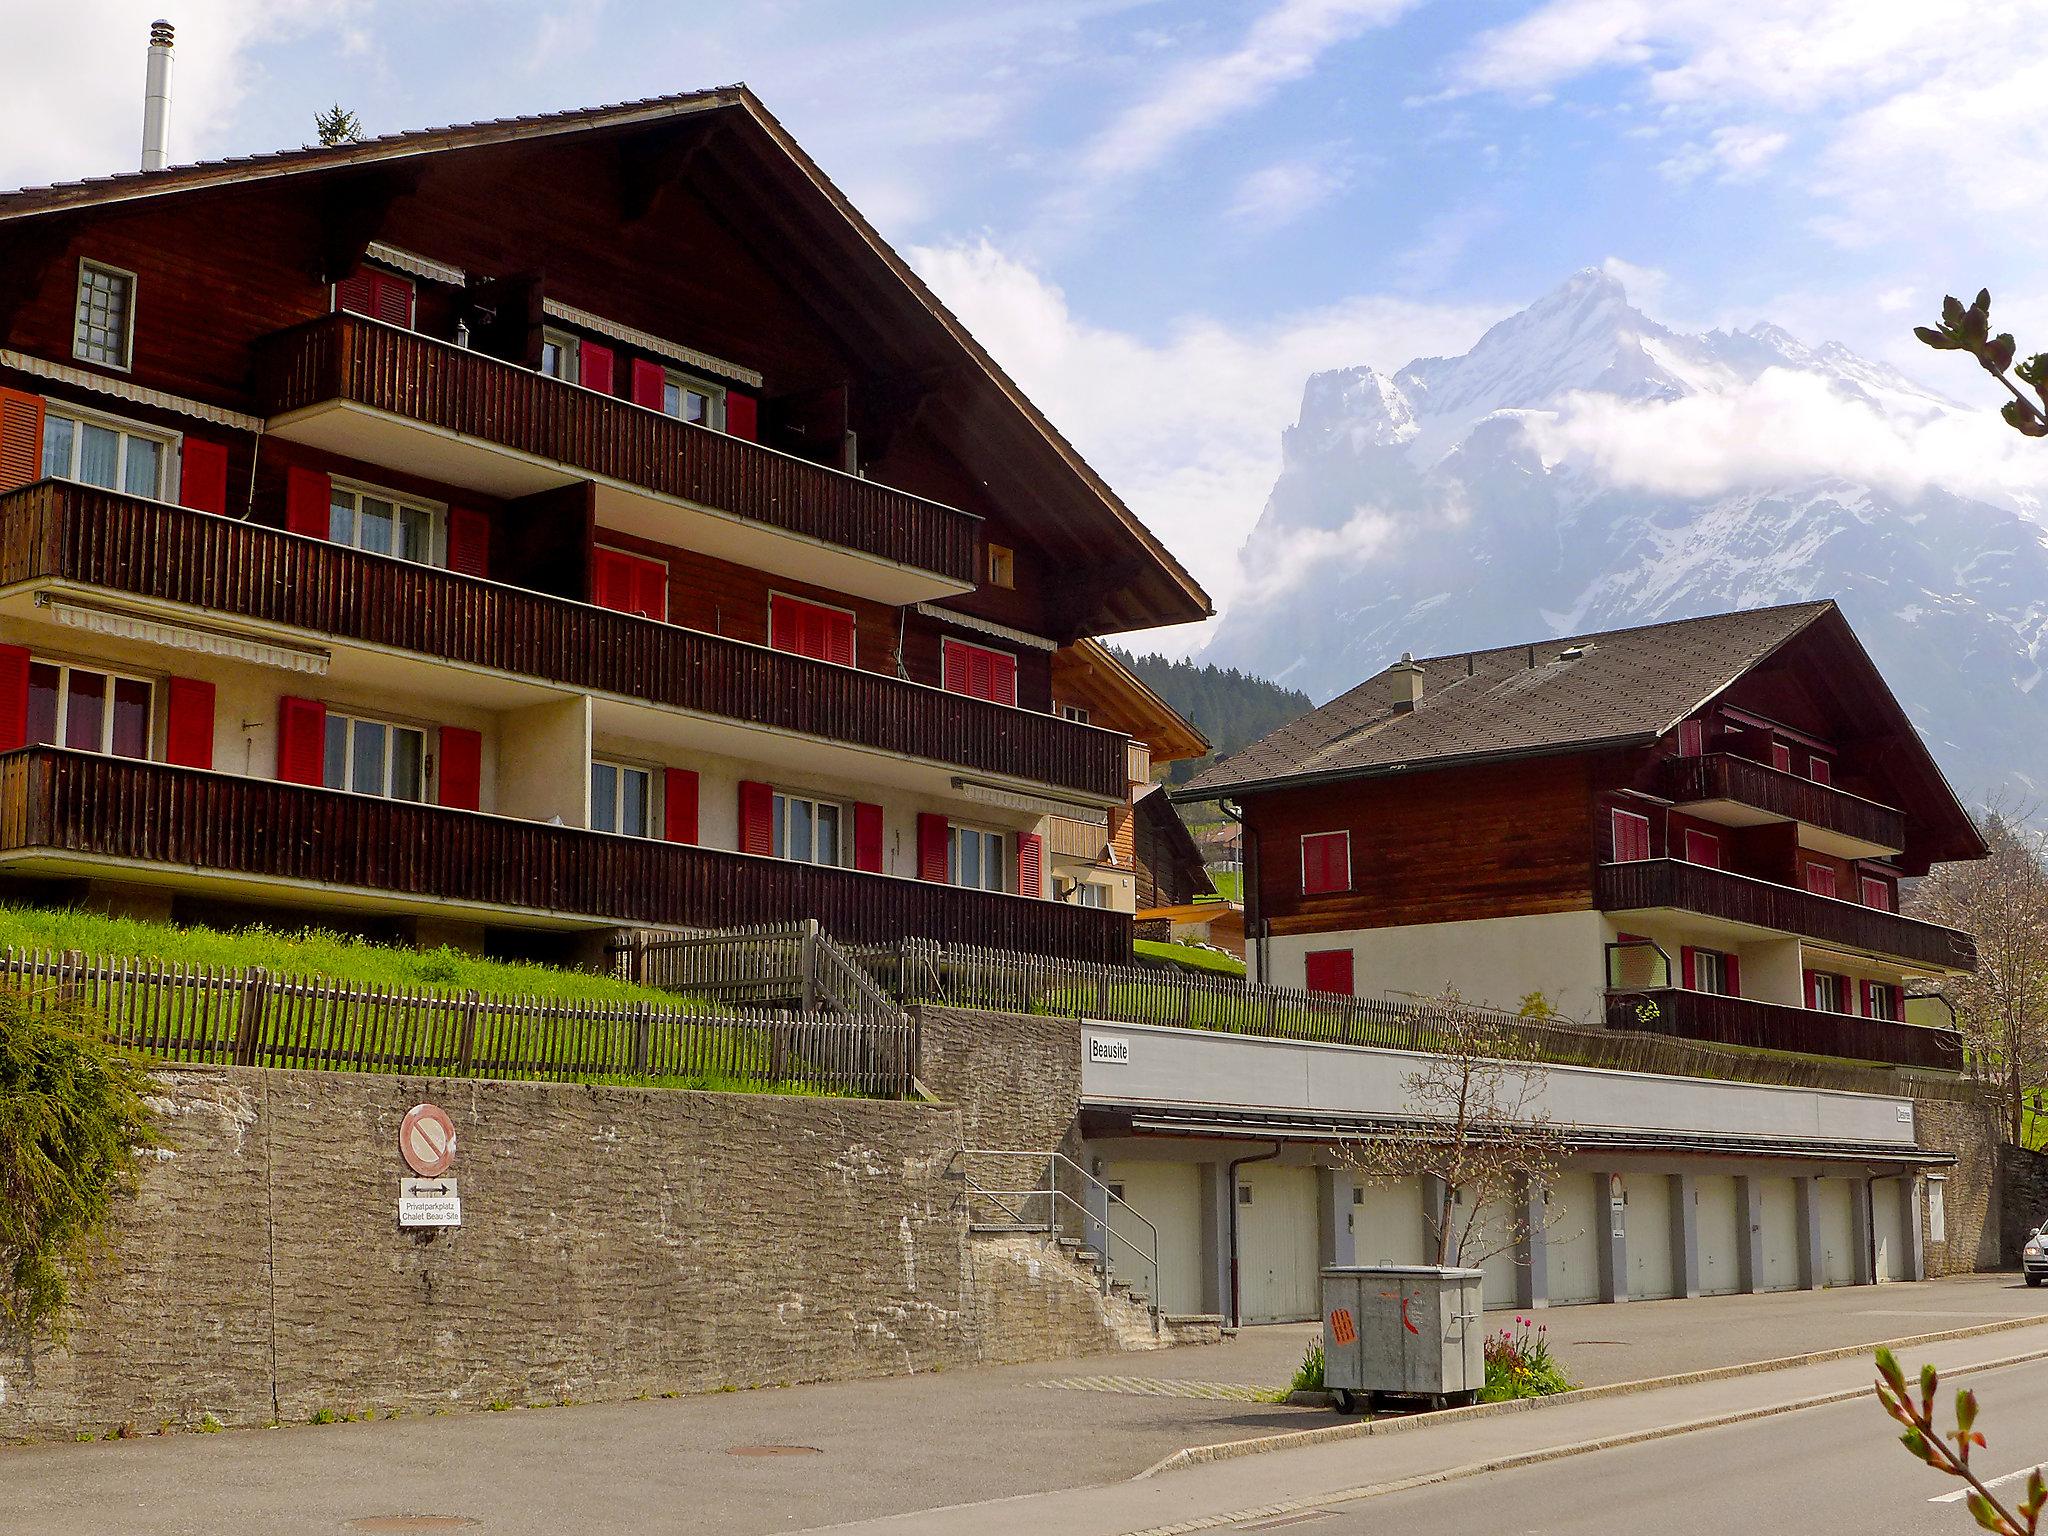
x,y
1232,708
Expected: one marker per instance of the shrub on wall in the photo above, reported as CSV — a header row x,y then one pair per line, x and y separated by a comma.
x,y
72,1120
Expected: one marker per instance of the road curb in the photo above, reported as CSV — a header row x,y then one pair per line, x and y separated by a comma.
x,y
1259,1445
1579,1447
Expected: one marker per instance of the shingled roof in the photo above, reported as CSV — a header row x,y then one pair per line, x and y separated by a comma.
x,y
1573,693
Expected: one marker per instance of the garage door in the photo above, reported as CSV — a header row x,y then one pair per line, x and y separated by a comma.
x,y
1277,1247
1386,1224
1572,1240
1168,1195
1837,1231
1780,1201
1649,1235
1888,1205
1717,1210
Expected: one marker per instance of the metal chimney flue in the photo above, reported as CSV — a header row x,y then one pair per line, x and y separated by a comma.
x,y
156,99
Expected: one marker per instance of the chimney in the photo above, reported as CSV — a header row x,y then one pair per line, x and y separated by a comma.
x,y
156,99
1405,678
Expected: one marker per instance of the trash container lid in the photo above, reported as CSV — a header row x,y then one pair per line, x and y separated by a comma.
x,y
1437,1271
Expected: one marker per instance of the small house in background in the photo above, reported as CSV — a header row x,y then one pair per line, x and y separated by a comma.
x,y
1697,828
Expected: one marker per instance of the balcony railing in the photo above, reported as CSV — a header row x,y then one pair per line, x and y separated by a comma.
x,y
347,358
1724,776
53,530
83,806
1776,1027
1643,884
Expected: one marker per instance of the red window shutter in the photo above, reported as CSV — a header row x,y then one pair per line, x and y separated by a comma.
x,y
357,292
1685,966
867,838
1812,979
1863,989
1898,1003
1692,738
301,740
1845,995
462,768
1329,970
679,805
604,591
1003,682
649,382
594,366
839,638
650,589
392,298
1820,770
1702,848
1731,975
953,667
1877,893
203,475
469,542
188,723
931,847
1781,756
757,811
13,697
739,415
21,438
1820,879
306,496
1030,864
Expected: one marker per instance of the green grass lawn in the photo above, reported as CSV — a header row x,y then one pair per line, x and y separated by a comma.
x,y
310,953
2034,1123
1229,883
1190,956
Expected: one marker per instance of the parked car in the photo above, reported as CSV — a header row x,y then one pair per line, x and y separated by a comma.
x,y
2034,1258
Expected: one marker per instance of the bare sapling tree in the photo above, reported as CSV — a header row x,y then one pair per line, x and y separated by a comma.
x,y
1479,1128
2002,1006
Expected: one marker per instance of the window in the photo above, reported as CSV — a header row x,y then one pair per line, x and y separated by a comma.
x,y
1937,1208
374,757
1827,992
89,710
979,672
1078,713
1781,756
810,629
1002,566
621,799
1877,893
1692,738
689,399
1325,862
106,315
1820,770
1702,848
974,858
1631,836
1328,970
806,830
381,295
1820,879
106,452
1709,970
559,355
381,523
630,583
1882,1001
1091,893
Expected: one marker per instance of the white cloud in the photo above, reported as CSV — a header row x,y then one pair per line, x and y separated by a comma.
x,y
1187,428
1787,426
1280,194
1738,152
71,79
1645,285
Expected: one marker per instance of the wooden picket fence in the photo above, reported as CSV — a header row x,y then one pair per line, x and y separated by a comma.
x,y
789,964
252,1017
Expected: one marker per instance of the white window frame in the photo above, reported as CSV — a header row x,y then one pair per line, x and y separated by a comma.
x,y
1829,982
113,675
436,513
127,363
390,727
1872,991
1685,847
1820,770
571,347
1078,713
622,767
714,395
1343,832
1616,816
1004,857
1863,884
947,643
170,447
778,826
1718,961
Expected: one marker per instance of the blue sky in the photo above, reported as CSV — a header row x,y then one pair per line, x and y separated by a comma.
x,y
1161,216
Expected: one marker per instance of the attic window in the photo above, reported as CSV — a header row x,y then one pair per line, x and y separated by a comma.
x,y
1002,566
1573,652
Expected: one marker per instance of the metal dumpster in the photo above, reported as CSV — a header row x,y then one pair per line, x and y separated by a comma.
x,y
1402,1330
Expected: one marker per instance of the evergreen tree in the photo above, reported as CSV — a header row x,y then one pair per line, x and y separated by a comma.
x,y
1232,708
337,125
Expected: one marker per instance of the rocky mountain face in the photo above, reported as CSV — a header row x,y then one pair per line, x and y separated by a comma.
x,y
1479,500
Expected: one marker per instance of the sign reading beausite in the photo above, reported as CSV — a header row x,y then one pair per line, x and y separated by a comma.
x,y
426,1140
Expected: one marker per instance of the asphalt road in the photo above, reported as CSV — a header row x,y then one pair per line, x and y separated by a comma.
x,y
1832,1471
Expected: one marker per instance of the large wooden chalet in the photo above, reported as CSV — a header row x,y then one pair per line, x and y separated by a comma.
x,y
547,524
1697,828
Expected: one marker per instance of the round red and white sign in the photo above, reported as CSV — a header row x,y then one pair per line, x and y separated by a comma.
x,y
426,1140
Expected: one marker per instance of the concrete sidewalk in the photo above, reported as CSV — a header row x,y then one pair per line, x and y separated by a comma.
x,y
877,1448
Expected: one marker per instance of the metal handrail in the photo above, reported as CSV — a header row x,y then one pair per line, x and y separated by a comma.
x,y
1051,1192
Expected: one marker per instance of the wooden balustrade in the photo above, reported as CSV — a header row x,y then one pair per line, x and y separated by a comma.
x,y
170,554
83,804
1724,776
1643,884
1774,1026
348,358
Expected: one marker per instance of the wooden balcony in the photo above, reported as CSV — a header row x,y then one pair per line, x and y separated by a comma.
x,y
1647,884
79,811
57,531
467,401
1744,781
1773,1026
